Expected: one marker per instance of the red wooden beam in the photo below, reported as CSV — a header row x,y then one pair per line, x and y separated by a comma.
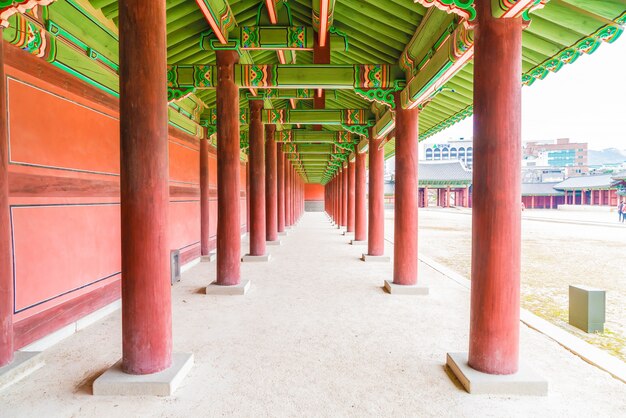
x,y
323,32
214,25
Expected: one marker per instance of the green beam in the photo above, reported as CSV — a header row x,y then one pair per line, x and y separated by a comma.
x,y
268,38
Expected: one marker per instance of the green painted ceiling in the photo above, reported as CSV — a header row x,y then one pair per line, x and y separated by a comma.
x,y
378,32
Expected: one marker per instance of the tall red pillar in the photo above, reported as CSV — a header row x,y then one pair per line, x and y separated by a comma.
x,y
271,185
376,216
496,217
6,270
280,178
288,221
351,195
405,217
257,180
228,166
204,198
144,189
344,197
360,199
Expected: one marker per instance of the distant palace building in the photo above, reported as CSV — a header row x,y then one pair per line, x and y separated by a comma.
x,y
561,154
459,150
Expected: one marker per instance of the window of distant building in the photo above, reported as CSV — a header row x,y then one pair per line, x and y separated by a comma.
x,y
437,154
445,154
429,153
462,154
453,153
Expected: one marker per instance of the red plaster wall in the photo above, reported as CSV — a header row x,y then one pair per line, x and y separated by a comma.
x,y
64,196
313,192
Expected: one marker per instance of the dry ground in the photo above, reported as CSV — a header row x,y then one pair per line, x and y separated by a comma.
x,y
554,255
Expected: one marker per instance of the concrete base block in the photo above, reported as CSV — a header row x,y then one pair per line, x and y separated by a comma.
x,y
209,258
398,289
255,258
348,233
114,382
525,382
274,243
235,290
355,242
376,258
282,234
24,364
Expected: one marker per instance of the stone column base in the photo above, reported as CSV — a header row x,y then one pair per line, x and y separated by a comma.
x,y
348,233
525,382
282,234
273,243
255,258
398,289
209,258
355,242
114,382
376,258
24,363
234,290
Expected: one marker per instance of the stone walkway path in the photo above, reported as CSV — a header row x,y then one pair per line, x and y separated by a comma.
x,y
316,336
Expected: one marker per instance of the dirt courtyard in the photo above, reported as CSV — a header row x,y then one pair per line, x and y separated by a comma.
x,y
557,251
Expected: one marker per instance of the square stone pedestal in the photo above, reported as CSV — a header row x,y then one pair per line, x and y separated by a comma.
x,y
209,258
24,363
235,290
525,382
114,382
348,233
255,258
375,258
355,242
282,234
273,243
398,289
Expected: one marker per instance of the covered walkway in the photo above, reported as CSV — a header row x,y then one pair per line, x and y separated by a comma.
x,y
315,336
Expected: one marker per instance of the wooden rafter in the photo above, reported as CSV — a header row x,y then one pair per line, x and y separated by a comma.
x,y
219,16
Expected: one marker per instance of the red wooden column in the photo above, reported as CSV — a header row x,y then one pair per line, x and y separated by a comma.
x,y
280,178
6,270
351,195
144,189
271,185
496,230
344,197
288,221
337,200
376,216
360,200
257,180
405,212
204,198
228,166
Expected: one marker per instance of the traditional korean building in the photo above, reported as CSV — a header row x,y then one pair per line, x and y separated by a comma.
x,y
596,190
542,196
141,138
445,184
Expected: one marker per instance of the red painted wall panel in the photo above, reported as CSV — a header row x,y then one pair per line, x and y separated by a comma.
x,y
313,192
62,249
60,133
184,163
184,224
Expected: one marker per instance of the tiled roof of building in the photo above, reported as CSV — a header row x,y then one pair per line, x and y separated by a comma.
x,y
540,189
443,172
585,182
619,176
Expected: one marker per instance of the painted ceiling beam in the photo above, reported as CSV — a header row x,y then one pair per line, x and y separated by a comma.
x,y
310,76
323,16
298,136
453,52
353,120
296,38
9,8
219,16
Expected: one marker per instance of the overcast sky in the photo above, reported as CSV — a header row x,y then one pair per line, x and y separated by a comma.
x,y
585,101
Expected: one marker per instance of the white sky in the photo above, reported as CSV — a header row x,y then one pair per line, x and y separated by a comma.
x,y
585,101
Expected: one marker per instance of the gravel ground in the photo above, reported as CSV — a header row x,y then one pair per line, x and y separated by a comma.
x,y
555,254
